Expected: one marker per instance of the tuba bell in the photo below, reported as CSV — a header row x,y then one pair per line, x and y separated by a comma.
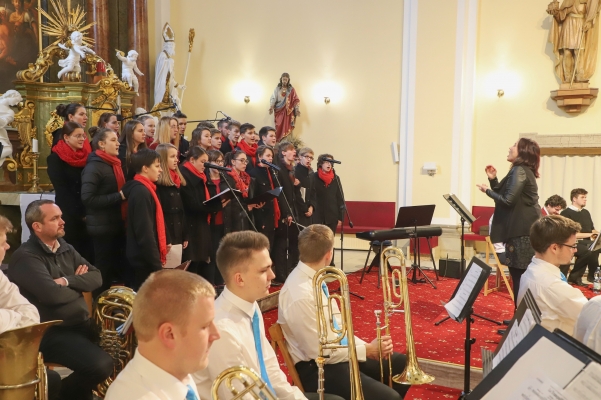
x,y
242,381
326,325
396,286
111,310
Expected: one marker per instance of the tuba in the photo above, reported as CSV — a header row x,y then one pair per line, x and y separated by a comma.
x,y
111,310
248,382
325,325
397,286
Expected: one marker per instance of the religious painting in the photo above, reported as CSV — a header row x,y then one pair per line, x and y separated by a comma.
x,y
19,38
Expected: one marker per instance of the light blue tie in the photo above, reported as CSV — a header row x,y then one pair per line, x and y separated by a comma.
x,y
191,395
324,287
563,277
259,348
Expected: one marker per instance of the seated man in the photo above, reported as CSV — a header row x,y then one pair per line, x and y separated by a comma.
x,y
588,325
553,239
553,205
584,257
53,276
243,260
173,319
297,314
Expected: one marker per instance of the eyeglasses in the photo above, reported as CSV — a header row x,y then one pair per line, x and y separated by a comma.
x,y
79,137
219,161
309,158
573,247
242,160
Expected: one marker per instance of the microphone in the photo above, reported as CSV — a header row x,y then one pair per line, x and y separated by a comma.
x,y
208,165
226,116
270,164
331,161
103,108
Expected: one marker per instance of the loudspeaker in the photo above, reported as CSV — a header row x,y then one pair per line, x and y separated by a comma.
x,y
449,268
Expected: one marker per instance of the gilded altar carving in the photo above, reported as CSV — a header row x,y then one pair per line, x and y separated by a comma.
x,y
24,122
55,122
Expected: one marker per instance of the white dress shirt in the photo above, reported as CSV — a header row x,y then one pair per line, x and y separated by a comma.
x,y
233,318
588,325
15,310
298,317
559,302
143,380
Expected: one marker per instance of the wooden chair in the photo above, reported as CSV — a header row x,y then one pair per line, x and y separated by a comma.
x,y
278,341
500,271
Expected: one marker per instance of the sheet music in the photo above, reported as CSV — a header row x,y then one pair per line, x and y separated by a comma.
x,y
174,257
456,305
303,192
538,386
587,385
516,334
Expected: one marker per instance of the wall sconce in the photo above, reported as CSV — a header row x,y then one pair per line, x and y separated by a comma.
x,y
247,99
430,168
500,93
326,100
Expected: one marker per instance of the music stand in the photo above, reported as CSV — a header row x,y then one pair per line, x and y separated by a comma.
x,y
415,216
466,216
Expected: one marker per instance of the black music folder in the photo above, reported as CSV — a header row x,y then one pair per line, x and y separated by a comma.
x,y
413,216
225,195
467,290
460,208
544,365
265,196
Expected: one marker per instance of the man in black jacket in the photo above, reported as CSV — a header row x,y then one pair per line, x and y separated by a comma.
x,y
184,145
584,256
53,276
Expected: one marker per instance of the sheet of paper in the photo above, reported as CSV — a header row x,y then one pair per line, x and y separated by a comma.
x,y
303,192
455,306
552,361
174,257
539,387
587,385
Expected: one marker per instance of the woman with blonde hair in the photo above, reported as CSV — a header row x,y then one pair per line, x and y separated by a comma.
x,y
167,132
168,192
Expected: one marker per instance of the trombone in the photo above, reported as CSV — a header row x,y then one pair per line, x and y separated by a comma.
x,y
396,286
327,324
248,382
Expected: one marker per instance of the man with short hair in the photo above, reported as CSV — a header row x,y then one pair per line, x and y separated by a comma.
x,y
52,275
223,127
297,315
248,144
553,239
182,123
243,260
267,136
146,247
304,173
216,139
230,143
584,257
553,205
173,319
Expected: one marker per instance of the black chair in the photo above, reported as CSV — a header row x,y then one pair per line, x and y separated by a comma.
x,y
377,247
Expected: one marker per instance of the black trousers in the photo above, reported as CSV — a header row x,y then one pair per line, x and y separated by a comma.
x,y
217,233
205,269
285,251
333,227
584,258
74,348
76,234
337,378
516,275
109,252
54,384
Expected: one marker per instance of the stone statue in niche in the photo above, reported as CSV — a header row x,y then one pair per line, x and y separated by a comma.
x,y
129,69
77,51
7,115
165,86
575,36
285,103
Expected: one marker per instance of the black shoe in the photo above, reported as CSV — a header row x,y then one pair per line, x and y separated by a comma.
x,y
501,331
578,283
506,321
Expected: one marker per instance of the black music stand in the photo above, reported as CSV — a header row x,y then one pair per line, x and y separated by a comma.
x,y
466,216
415,216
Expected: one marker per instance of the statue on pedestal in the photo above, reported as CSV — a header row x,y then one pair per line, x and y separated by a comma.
x,y
285,102
164,78
77,51
129,69
7,115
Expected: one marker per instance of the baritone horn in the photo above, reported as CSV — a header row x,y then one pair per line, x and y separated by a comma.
x,y
327,324
396,286
241,381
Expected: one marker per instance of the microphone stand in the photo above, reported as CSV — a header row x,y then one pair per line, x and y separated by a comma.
x,y
238,200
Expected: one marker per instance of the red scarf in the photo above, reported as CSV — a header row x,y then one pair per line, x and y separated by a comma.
x,y
276,207
242,180
250,151
326,177
175,178
158,216
118,171
203,178
74,158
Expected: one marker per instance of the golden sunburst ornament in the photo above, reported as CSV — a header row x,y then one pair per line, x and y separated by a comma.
x,y
64,21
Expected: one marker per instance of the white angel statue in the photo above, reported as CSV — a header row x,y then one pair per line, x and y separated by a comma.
x,y
77,51
7,115
129,69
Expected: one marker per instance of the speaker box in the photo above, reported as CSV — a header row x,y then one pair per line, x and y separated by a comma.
x,y
449,268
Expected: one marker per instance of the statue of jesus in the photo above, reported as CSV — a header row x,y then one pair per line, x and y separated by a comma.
x,y
285,103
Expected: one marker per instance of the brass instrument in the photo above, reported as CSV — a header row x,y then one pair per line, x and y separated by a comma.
x,y
397,286
111,309
325,325
248,382
22,370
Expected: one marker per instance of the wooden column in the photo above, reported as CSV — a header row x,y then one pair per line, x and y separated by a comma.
x,y
137,20
98,12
